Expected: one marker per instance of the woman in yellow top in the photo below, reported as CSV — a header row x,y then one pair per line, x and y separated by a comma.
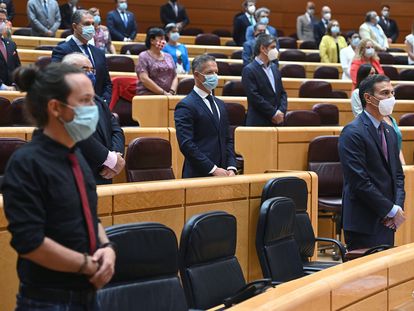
x,y
331,43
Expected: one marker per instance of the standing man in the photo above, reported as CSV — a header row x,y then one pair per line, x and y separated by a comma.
x,y
10,9
202,126
371,30
83,31
44,17
262,15
104,149
389,25
121,23
248,46
66,12
243,20
321,27
262,81
9,59
305,22
172,12
373,194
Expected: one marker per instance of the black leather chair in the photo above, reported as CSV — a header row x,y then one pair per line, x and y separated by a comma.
x,y
302,118
120,63
185,86
407,119
236,69
313,58
8,146
391,72
123,108
328,113
292,55
407,75
287,43
276,247
224,68
296,189
308,45
293,71
233,88
207,39
133,49
326,72
312,89
17,113
209,269
146,270
386,58
404,91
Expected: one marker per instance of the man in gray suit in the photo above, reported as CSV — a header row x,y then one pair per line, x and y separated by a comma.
x,y
44,17
305,22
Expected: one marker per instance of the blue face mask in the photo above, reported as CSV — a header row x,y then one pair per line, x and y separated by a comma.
x,y
83,124
88,32
335,30
355,41
123,6
175,36
211,81
264,20
91,77
97,19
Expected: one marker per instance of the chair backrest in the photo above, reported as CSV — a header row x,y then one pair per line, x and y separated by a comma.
x,y
276,247
401,60
149,158
328,113
120,63
133,49
292,55
321,89
233,88
407,75
404,91
146,270
185,86
313,57
326,72
407,119
207,39
222,32
295,189
391,72
43,61
218,55
308,45
8,145
287,43
4,112
23,32
339,94
45,47
224,68
18,114
191,31
236,69
237,54
323,159
66,33
293,71
386,58
302,118
123,108
209,269
236,114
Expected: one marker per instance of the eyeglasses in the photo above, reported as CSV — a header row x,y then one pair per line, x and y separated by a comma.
x,y
87,69
3,20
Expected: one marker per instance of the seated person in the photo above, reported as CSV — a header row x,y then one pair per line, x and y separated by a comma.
x,y
102,37
248,46
156,70
347,54
332,43
261,15
371,30
177,50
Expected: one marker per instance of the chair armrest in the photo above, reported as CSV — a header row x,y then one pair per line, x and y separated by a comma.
x,y
311,270
337,243
249,290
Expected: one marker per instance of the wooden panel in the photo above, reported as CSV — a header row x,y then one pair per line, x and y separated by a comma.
x,y
401,271
8,280
106,221
227,189
400,294
171,217
240,209
377,302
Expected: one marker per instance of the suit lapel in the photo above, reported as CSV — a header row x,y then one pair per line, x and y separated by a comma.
x,y
264,75
206,110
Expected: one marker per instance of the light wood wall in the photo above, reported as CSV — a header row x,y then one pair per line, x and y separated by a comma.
x,y
214,14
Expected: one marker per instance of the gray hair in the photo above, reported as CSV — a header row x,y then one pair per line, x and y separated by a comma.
x,y
77,16
263,40
259,11
258,24
74,59
200,60
370,15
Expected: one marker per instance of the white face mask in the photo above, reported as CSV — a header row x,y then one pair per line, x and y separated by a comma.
x,y
251,9
369,52
273,54
327,16
386,106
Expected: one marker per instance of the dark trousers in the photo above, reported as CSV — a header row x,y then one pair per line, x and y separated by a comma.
x,y
357,240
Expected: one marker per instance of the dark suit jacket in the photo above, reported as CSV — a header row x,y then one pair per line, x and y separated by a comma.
x,y
262,101
108,136
167,15
240,24
371,185
319,31
66,16
203,142
10,8
13,61
103,85
117,27
391,30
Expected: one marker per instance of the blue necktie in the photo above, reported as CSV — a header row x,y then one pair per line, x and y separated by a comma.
x,y
85,48
45,8
125,19
213,108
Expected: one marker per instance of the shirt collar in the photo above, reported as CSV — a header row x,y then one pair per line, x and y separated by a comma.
x,y
200,92
77,41
261,63
120,12
374,121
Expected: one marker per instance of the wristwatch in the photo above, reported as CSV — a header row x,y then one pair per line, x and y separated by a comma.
x,y
109,244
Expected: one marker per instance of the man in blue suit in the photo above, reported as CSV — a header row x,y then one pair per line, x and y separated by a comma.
x,y
262,82
248,46
373,193
202,126
83,31
121,23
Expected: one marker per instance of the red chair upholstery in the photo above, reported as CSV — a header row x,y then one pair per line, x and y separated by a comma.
x,y
222,32
237,54
386,58
5,119
328,113
233,88
293,71
407,119
133,49
311,89
7,147
224,69
292,55
326,72
207,39
407,75
308,45
185,86
302,118
18,113
313,58
236,69
120,63
43,61
287,43
149,158
391,72
404,91
191,31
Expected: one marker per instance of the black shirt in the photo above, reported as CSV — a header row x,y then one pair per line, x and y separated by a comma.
x,y
41,200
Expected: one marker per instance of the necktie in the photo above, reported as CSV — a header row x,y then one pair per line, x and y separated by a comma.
x,y
213,108
125,18
45,8
251,20
84,199
383,141
86,50
3,50
176,10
